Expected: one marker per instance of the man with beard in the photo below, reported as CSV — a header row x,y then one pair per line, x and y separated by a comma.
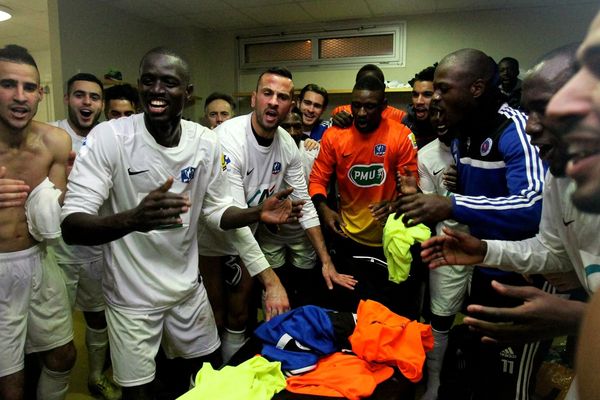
x,y
34,310
364,158
260,156
288,249
131,188
83,265
577,104
312,102
84,105
501,179
417,118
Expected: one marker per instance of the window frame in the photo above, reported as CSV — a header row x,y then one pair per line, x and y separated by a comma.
x,y
398,56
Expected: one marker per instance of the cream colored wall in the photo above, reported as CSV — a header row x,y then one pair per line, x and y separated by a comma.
x,y
45,111
524,34
95,38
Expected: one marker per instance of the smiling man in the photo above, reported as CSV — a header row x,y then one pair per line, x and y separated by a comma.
x,y
312,102
83,265
140,185
364,158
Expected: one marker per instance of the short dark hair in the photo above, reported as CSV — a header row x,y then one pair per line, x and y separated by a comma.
x,y
219,96
122,92
424,75
510,60
370,69
17,54
169,52
371,83
83,76
281,71
313,87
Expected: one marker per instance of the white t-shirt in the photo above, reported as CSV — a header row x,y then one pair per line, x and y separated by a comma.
x,y
64,253
256,172
117,167
568,239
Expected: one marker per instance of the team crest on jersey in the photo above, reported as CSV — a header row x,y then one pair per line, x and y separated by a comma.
x,y
187,174
379,150
367,175
486,147
224,161
413,140
276,168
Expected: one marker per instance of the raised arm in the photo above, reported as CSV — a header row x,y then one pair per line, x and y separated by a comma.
x,y
159,208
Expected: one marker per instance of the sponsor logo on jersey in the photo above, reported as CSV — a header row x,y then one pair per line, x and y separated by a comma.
x,y
379,150
508,353
276,168
187,174
132,172
486,147
367,175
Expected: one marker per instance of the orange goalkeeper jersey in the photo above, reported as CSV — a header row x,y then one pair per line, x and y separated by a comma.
x,y
365,166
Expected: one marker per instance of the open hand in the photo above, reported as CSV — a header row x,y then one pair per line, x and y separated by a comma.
x,y
453,248
13,192
160,208
280,209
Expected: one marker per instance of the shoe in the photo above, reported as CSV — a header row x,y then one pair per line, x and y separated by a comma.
x,y
105,388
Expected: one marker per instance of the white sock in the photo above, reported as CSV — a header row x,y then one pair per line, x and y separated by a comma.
x,y
435,358
96,341
231,342
53,385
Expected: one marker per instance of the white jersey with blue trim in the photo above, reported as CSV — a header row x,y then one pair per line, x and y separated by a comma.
x,y
256,172
118,166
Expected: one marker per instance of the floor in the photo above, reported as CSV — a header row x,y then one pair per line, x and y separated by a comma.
x,y
78,389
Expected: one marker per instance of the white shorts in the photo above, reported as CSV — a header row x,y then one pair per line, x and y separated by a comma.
x,y
34,309
448,288
185,330
301,253
84,285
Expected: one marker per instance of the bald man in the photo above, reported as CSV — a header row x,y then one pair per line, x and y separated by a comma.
x,y
500,184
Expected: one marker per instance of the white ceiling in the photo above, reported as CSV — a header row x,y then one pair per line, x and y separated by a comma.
x,y
215,15
29,26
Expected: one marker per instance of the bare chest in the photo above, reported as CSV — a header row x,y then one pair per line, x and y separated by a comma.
x,y
29,163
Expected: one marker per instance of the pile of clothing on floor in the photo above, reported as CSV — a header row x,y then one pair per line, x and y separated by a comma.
x,y
311,350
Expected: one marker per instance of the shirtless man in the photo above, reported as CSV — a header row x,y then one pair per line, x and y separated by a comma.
x,y
34,313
